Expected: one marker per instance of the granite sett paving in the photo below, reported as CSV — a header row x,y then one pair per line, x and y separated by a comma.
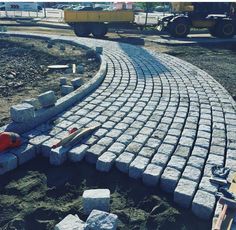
x,y
162,120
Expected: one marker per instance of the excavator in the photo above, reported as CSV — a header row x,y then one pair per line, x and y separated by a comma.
x,y
218,17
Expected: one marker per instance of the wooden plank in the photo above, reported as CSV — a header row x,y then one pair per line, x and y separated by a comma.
x,y
226,217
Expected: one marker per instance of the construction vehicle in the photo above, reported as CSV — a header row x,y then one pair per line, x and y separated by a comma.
x,y
218,17
97,22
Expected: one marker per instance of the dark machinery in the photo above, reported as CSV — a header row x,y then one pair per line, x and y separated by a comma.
x,y
218,17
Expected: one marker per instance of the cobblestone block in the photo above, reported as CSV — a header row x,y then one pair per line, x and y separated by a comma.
x,y
125,139
215,159
8,162
207,186
63,81
177,162
124,160
169,179
197,162
105,161
138,166
96,199
153,143
203,204
146,152
24,153
106,141
33,101
99,220
134,147
37,142
94,152
160,159
47,99
166,149
152,174
78,153
184,192
66,89
76,82
22,112
117,148
47,146
70,222
58,155
191,173
182,151
199,152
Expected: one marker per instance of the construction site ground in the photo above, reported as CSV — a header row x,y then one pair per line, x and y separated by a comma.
x,y
27,60
36,195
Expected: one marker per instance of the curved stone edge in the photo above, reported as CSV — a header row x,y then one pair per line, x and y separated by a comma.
x,y
63,103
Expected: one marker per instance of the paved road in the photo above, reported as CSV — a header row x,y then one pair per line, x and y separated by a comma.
x,y
163,120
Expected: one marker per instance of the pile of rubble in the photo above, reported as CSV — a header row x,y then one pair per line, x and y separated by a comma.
x,y
96,204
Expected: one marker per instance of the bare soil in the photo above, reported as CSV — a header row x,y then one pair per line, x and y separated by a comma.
x,y
24,69
38,195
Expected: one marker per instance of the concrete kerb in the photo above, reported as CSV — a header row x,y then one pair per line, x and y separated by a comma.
x,y
63,103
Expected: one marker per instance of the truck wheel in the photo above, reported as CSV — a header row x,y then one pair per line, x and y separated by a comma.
x,y
82,30
179,28
213,31
225,29
99,30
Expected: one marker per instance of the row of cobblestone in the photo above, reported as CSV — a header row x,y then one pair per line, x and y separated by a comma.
x,y
162,120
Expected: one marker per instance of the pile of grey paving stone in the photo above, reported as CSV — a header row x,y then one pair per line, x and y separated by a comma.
x,y
96,204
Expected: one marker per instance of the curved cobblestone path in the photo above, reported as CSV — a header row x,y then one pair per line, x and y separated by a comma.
x,y
163,120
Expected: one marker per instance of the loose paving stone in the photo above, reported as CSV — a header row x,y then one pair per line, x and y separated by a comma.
x,y
184,192
70,222
124,160
78,153
96,199
105,161
8,162
203,204
99,220
152,174
47,99
22,112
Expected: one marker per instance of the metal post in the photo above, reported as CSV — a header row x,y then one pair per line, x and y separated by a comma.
x,y
44,8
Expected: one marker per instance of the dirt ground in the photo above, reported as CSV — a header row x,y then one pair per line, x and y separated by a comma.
x,y
38,195
24,73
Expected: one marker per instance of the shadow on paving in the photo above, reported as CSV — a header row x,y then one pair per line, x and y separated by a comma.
x,y
38,195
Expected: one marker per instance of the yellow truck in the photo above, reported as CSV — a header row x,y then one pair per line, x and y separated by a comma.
x,y
96,23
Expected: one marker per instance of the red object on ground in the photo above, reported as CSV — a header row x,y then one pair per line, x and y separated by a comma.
x,y
9,140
